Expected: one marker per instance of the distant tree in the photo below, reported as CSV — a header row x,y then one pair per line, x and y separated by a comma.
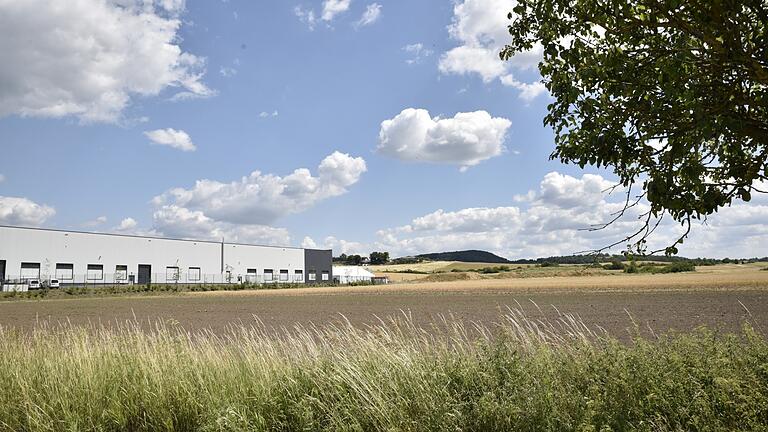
x,y
354,259
341,258
379,257
671,95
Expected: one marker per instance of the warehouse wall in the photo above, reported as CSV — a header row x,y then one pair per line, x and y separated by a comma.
x,y
239,259
49,248
216,264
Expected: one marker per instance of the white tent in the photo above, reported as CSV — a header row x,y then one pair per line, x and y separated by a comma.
x,y
349,274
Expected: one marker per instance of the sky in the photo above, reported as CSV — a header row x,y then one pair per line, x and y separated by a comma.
x,y
355,125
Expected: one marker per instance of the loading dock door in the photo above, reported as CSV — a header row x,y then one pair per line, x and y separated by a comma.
x,y
30,271
145,274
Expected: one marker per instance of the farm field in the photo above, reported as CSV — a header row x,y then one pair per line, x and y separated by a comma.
x,y
714,296
496,355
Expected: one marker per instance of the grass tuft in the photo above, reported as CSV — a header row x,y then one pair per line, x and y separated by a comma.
x,y
524,374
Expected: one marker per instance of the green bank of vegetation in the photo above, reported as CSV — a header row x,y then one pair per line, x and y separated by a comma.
x,y
153,289
524,375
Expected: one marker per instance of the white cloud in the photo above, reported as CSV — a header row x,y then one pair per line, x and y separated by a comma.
x,y
417,51
95,222
553,219
258,199
466,139
331,8
338,246
265,114
307,16
480,27
177,139
180,222
2,178
89,58
308,243
227,72
371,15
528,91
126,225
23,212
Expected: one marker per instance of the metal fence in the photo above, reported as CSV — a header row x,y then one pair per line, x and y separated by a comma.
x,y
19,283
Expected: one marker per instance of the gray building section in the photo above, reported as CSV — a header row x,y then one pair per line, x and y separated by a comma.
x,y
318,265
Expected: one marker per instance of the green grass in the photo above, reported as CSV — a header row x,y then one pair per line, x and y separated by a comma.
x,y
524,375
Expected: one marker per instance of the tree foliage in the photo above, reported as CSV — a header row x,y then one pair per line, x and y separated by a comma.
x,y
379,257
671,95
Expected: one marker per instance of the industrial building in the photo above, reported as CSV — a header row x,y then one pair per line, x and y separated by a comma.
x,y
352,274
84,258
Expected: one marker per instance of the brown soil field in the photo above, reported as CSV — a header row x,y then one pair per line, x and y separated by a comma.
x,y
721,297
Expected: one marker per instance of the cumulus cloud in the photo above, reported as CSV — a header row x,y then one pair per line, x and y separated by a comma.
x,y
480,28
371,15
89,58
126,225
528,91
243,209
465,139
417,51
23,212
338,246
330,9
552,220
173,138
180,222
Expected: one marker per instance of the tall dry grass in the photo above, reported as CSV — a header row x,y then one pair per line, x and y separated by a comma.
x,y
523,374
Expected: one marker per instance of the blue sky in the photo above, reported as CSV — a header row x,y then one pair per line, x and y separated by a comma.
x,y
407,133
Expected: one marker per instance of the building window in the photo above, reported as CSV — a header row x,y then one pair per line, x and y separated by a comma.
x,y
298,275
30,270
283,275
312,275
194,273
268,275
95,272
172,274
65,271
121,272
326,275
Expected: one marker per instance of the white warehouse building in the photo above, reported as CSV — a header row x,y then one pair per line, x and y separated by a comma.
x,y
77,258
352,274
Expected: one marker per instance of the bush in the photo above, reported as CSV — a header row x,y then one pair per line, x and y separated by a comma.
x,y
614,265
675,267
548,264
631,267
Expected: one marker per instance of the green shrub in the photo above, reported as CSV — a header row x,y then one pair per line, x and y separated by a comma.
x,y
674,267
614,265
631,267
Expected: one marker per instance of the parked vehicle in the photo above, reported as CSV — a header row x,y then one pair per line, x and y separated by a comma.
x,y
33,284
53,283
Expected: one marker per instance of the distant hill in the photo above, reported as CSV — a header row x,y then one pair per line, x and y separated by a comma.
x,y
465,256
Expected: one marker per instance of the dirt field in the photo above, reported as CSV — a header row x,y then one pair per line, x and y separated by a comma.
x,y
712,296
